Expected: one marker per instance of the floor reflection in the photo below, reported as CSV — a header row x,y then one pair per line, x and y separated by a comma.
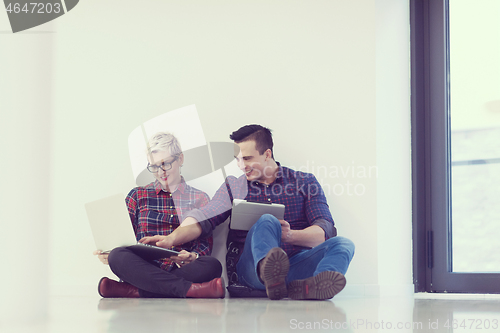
x,y
457,315
452,313
341,315
229,315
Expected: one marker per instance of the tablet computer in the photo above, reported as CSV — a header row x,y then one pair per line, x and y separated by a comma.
x,y
245,213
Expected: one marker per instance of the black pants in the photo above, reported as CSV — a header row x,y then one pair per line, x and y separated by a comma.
x,y
152,281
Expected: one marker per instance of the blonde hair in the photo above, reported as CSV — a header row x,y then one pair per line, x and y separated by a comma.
x,y
163,141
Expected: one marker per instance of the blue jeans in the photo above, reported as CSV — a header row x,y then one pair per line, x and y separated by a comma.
x,y
334,254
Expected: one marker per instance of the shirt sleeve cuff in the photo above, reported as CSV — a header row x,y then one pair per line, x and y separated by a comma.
x,y
328,227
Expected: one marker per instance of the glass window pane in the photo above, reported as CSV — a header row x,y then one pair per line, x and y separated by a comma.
x,y
475,134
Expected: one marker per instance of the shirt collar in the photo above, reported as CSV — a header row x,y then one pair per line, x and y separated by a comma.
x,y
278,179
181,188
279,175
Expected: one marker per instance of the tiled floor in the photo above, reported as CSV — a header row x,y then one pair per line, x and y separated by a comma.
x,y
441,313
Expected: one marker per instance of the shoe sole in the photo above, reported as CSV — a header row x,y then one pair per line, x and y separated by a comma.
x,y
325,285
273,272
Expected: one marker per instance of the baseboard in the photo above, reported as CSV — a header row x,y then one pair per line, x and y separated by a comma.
x,y
376,290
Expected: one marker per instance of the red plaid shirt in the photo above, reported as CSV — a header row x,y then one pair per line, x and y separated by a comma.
x,y
154,211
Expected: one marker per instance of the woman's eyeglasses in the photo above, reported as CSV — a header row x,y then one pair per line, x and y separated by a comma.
x,y
153,168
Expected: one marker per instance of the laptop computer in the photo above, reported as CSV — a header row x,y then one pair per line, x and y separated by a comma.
x,y
245,213
111,228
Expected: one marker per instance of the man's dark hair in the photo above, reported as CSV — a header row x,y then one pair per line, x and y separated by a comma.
x,y
260,134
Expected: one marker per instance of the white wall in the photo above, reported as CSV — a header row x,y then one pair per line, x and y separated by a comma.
x,y
305,69
25,133
393,148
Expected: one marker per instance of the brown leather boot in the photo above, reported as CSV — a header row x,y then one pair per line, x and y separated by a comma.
x,y
273,270
111,288
325,285
210,289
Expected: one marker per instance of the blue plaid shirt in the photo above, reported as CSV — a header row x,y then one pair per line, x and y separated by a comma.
x,y
300,192
154,211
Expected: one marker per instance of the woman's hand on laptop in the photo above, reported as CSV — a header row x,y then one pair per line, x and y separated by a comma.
x,y
103,257
157,240
184,258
